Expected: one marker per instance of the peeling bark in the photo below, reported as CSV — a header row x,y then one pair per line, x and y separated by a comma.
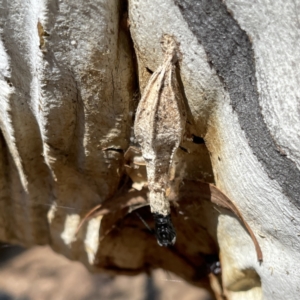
x,y
69,92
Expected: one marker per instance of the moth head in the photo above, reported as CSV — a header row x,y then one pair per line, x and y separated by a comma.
x,y
170,47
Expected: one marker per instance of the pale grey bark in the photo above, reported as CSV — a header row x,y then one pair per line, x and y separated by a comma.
x,y
69,73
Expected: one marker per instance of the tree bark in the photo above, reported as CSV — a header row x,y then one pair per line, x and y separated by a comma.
x,y
71,77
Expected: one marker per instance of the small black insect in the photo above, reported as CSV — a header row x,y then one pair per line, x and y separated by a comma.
x,y
215,268
164,230
213,264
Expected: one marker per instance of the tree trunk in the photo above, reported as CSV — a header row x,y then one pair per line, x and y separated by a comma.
x,y
72,73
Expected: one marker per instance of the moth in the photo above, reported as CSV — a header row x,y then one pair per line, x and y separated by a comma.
x,y
159,129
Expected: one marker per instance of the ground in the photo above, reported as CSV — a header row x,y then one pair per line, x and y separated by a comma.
x,y
39,273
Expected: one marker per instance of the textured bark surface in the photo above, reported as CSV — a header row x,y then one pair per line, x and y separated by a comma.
x,y
66,111
69,91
